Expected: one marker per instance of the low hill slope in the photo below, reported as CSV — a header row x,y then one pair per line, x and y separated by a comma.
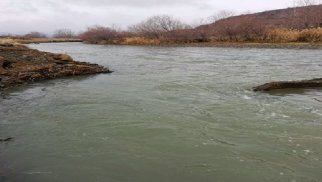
x,y
257,23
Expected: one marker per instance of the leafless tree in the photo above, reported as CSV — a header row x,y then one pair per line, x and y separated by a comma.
x,y
98,34
300,3
157,25
221,15
35,35
63,33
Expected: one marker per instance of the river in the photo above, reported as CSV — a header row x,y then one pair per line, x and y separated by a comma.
x,y
181,114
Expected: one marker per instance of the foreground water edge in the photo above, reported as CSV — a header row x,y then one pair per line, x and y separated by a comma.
x,y
166,114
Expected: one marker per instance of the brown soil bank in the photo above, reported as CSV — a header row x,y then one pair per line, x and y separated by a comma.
x,y
314,83
46,40
19,64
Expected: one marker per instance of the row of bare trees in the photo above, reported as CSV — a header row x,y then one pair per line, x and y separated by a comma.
x,y
222,26
157,27
64,33
302,3
100,34
60,33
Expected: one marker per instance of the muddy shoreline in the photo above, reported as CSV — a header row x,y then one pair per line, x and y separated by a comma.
x,y
227,45
255,45
46,40
287,45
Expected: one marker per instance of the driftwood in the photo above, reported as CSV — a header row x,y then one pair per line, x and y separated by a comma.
x,y
314,83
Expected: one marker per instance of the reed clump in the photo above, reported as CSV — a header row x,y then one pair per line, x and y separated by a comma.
x,y
140,41
294,35
311,35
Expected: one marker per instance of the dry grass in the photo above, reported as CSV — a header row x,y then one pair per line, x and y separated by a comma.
x,y
291,35
46,40
311,35
18,41
140,41
8,41
283,35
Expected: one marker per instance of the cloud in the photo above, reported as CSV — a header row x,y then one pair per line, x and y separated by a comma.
x,y
22,16
135,3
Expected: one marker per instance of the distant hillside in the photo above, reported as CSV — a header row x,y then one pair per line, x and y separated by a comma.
x,y
291,18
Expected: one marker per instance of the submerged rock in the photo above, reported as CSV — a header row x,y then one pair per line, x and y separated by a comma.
x,y
314,83
6,139
19,64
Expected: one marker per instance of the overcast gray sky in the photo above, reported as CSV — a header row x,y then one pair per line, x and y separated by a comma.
x,y
22,16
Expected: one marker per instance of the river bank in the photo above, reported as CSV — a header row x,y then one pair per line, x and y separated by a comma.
x,y
46,40
20,64
294,45
143,42
21,40
290,45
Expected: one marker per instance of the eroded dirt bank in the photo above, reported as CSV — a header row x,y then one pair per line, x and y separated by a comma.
x,y
20,64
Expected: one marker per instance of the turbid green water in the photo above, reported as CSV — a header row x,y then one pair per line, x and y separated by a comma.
x,y
166,114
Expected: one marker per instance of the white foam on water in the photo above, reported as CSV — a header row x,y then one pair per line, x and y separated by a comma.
x,y
246,97
307,151
316,112
37,172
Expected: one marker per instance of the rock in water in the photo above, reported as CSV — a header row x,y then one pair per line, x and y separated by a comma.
x,y
19,64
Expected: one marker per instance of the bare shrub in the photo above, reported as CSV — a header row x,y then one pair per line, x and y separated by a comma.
x,y
185,36
99,34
